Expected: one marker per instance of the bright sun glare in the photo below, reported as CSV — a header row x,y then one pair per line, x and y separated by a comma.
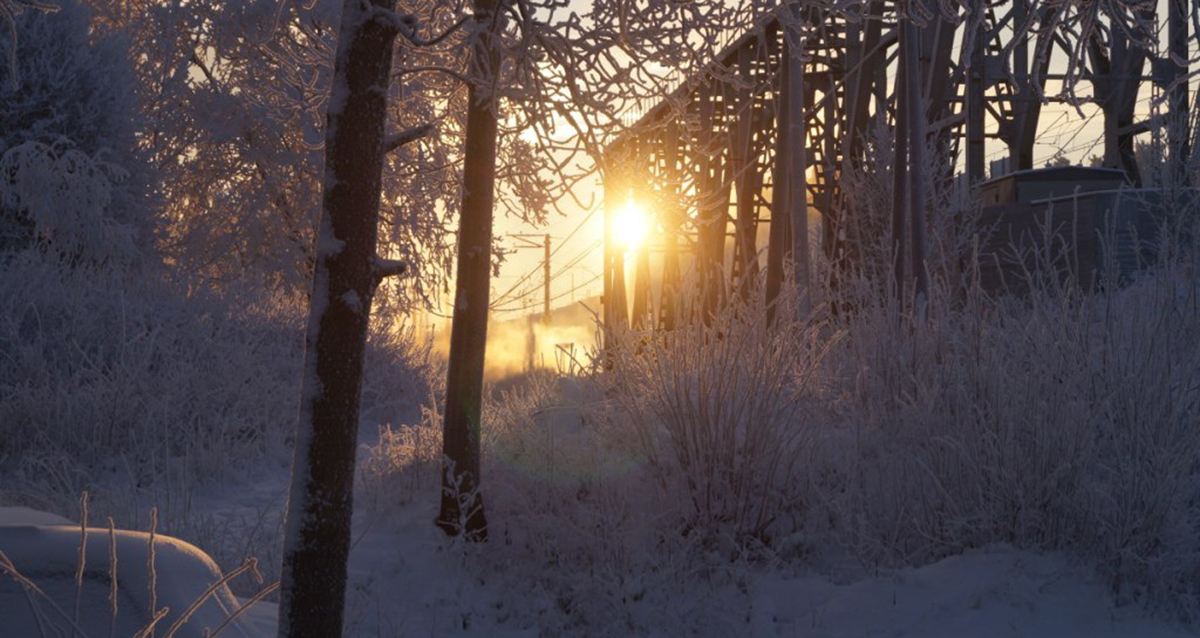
x,y
631,226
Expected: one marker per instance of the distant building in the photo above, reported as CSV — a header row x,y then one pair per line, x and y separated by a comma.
x,y
1069,222
1041,183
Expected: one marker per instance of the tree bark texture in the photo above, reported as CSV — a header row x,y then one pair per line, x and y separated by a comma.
x,y
317,534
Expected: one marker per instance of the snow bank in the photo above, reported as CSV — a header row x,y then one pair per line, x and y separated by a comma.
x,y
48,556
996,592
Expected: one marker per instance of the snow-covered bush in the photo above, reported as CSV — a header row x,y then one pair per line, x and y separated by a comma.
x,y
56,199
122,376
1061,420
716,406
74,110
877,438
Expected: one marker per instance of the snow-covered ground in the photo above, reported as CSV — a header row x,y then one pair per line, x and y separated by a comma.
x,y
417,588
408,581
996,592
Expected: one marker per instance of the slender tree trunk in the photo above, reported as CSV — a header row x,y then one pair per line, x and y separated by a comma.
x,y
462,505
317,535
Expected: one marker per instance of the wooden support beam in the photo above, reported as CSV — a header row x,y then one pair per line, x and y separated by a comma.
x,y
795,162
712,188
1178,135
917,157
616,194
780,229
745,170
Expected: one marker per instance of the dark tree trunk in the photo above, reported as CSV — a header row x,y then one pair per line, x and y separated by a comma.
x,y
462,505
317,536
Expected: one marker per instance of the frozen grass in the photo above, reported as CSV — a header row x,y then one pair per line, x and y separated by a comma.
x,y
584,542
717,411
1059,419
1062,420
119,383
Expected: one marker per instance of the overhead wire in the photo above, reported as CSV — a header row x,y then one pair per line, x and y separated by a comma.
x,y
497,307
541,303
504,297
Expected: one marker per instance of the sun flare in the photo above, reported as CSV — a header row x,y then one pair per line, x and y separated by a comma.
x,y
631,226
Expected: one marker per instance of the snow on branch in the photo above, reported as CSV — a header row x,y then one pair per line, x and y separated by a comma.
x,y
384,268
407,136
417,41
406,25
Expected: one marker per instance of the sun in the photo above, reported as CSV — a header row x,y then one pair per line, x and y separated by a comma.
x,y
631,226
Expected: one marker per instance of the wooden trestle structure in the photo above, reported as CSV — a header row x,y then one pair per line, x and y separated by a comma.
x,y
710,161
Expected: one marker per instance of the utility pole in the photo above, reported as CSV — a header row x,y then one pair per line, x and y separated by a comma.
x,y
529,241
546,291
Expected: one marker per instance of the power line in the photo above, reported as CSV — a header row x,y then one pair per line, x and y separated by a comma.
x,y
574,261
578,258
552,299
503,298
579,287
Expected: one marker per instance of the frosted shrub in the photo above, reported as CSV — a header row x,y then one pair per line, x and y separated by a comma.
x,y
1057,420
73,105
716,407
58,198
135,379
952,225
404,463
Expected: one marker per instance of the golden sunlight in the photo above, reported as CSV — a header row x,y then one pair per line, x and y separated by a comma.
x,y
631,226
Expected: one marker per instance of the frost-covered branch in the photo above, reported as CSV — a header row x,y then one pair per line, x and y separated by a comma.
x,y
62,197
418,41
407,136
407,26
